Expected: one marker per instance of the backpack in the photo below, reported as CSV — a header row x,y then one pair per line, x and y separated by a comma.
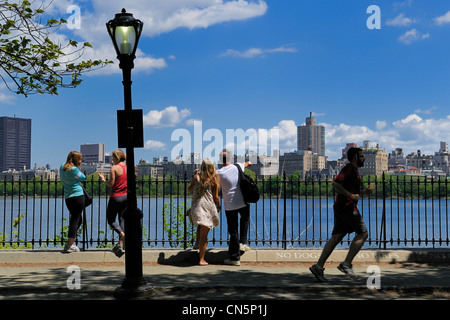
x,y
248,187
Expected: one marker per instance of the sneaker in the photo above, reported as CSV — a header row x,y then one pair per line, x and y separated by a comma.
x,y
244,247
232,262
347,269
72,248
317,271
118,251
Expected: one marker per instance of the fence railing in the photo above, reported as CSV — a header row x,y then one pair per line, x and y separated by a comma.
x,y
402,212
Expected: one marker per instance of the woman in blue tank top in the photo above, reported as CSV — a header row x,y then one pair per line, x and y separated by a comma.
x,y
71,176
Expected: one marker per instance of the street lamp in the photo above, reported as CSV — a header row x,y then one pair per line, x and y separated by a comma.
x,y
125,31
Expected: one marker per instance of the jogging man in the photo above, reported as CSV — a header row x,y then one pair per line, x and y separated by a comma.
x,y
347,218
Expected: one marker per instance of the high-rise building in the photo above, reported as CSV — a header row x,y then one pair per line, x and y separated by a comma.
x,y
15,144
93,153
311,137
345,150
442,158
301,161
376,159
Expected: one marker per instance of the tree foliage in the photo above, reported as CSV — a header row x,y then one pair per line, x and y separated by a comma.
x,y
30,61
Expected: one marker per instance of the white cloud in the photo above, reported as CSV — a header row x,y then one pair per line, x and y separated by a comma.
x,y
287,130
256,52
195,14
428,111
168,15
402,4
6,96
379,125
142,63
282,49
154,145
250,53
400,21
168,117
282,136
158,17
443,19
411,133
147,62
190,122
413,35
341,134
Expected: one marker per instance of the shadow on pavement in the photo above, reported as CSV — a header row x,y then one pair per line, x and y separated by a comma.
x,y
403,281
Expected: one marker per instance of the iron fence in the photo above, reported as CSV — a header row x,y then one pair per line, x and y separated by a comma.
x,y
292,212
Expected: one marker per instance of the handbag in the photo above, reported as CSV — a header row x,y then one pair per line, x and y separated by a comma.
x,y
87,198
188,214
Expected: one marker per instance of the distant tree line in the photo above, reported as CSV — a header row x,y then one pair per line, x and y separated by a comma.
x,y
292,186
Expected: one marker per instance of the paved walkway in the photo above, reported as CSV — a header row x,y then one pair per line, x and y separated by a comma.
x,y
263,274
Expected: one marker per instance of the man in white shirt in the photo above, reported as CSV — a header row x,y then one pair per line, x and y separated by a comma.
x,y
234,204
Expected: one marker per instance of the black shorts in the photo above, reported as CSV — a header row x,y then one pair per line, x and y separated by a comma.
x,y
348,220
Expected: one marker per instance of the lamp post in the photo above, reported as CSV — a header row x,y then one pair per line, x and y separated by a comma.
x,y
125,31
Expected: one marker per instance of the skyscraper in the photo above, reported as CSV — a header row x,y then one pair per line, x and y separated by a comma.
x,y
15,143
442,158
93,153
311,137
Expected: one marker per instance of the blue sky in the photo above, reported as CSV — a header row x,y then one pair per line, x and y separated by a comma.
x,y
257,64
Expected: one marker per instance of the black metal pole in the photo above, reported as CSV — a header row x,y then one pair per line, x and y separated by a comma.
x,y
134,284
383,218
284,213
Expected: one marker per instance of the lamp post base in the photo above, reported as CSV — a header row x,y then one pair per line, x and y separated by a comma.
x,y
134,288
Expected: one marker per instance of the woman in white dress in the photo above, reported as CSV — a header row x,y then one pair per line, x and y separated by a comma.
x,y
205,203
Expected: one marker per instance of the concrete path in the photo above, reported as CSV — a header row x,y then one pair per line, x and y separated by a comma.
x,y
281,275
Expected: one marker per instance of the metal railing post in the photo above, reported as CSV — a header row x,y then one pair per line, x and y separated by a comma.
x,y
284,243
383,219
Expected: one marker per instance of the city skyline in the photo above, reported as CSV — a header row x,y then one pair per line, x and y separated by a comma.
x,y
256,64
94,152
305,161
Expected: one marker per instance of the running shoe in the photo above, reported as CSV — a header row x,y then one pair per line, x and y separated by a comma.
x,y
70,249
244,247
317,271
232,262
347,269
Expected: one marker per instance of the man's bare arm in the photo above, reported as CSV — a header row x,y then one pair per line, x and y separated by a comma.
x,y
340,188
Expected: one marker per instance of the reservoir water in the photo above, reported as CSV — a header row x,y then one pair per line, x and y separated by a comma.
x,y
300,222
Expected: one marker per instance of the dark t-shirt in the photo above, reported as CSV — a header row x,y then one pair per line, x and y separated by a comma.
x,y
351,180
